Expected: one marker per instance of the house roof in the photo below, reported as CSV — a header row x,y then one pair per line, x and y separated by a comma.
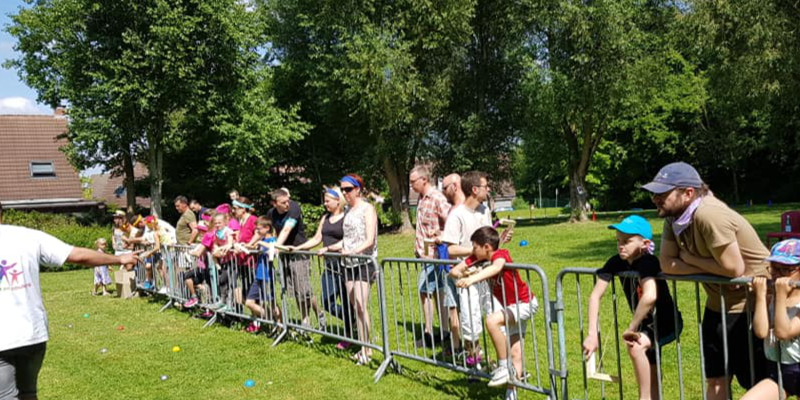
x,y
112,189
26,138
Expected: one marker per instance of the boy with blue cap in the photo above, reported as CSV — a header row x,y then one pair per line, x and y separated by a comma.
x,y
653,310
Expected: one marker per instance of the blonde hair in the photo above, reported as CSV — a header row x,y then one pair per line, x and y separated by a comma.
x,y
338,193
100,240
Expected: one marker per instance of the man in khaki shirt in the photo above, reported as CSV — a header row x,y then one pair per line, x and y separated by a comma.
x,y
702,235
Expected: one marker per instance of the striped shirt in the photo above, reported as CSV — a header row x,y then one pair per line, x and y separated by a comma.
x,y
432,210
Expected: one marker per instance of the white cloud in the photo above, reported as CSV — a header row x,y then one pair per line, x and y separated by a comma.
x,y
20,105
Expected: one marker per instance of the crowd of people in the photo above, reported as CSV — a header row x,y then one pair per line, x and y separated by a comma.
x,y
701,235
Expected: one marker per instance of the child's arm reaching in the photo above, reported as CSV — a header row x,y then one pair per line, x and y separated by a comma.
x,y
760,315
590,344
485,273
645,306
785,328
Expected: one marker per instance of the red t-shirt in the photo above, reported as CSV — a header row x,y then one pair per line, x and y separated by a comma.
x,y
508,280
248,229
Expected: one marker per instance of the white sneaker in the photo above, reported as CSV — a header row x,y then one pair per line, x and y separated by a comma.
x,y
163,290
499,376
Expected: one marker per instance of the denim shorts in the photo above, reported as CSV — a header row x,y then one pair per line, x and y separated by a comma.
x,y
433,279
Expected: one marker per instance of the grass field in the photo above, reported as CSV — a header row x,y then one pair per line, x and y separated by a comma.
x,y
214,363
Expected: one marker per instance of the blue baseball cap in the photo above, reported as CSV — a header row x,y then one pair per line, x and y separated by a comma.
x,y
634,225
785,252
678,174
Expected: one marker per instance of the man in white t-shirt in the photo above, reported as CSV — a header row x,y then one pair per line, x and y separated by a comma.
x,y
462,222
23,333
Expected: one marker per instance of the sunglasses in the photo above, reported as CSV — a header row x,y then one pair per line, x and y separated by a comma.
x,y
348,189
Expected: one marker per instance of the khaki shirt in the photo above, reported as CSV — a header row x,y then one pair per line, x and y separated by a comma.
x,y
714,225
183,229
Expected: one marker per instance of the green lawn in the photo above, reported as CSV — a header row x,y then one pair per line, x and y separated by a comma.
x,y
215,362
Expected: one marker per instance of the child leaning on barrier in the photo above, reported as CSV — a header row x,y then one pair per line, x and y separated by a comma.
x,y
514,304
782,342
263,288
635,253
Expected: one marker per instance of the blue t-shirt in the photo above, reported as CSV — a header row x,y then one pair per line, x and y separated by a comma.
x,y
264,266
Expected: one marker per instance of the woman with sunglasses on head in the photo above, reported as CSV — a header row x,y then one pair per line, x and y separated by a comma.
x,y
360,238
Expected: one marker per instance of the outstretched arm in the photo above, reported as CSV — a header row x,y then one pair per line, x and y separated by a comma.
x,y
91,258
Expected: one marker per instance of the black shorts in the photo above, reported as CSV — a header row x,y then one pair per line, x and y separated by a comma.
x,y
197,275
261,291
666,335
740,340
19,370
790,373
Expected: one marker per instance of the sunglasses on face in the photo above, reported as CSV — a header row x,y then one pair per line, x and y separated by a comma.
x,y
348,189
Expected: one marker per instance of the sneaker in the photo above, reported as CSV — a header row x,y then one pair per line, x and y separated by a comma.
x,y
147,285
163,290
322,322
191,303
425,341
499,376
207,314
252,328
343,345
473,361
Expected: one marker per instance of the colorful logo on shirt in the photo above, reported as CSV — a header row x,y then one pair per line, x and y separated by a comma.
x,y
11,275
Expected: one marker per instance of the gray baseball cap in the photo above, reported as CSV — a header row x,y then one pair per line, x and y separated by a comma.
x,y
678,174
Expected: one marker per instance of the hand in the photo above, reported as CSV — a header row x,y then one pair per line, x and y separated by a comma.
x,y
464,282
635,339
685,256
783,286
347,252
589,345
506,236
291,249
322,251
130,258
759,286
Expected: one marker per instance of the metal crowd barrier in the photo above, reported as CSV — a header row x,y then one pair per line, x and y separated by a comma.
x,y
303,285
406,324
156,261
315,298
684,364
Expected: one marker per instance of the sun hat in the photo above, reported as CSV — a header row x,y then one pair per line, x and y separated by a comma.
x,y
634,225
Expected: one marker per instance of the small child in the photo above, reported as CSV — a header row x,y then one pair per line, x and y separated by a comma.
x,y
782,342
635,253
263,288
514,304
101,275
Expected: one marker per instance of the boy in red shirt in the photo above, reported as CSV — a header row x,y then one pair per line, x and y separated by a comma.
x,y
514,304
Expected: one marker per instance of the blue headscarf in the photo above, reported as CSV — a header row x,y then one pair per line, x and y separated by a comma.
x,y
349,179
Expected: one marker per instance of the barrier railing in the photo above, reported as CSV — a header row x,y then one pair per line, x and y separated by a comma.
x,y
388,317
336,291
686,372
409,337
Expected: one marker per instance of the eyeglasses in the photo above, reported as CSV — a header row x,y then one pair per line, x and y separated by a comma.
x,y
348,189
413,181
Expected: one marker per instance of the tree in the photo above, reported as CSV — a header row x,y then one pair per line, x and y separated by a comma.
x,y
372,77
594,62
139,75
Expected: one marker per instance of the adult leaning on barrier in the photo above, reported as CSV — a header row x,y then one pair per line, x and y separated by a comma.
x,y
702,235
330,232
24,331
360,238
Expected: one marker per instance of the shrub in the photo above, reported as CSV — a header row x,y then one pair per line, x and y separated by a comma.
x,y
64,227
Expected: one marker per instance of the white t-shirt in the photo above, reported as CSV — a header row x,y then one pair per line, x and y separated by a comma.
x,y
22,250
463,222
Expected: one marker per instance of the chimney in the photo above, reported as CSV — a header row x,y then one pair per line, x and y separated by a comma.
x,y
60,112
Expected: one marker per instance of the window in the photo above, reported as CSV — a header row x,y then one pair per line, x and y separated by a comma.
x,y
42,169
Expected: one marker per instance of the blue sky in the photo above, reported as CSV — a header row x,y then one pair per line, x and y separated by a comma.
x,y
15,97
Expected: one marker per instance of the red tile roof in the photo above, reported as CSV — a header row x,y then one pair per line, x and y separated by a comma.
x,y
26,138
111,189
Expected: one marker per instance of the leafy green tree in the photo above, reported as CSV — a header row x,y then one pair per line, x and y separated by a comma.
x,y
140,76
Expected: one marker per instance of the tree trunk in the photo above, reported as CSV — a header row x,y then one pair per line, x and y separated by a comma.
x,y
577,195
735,186
398,190
130,179
155,159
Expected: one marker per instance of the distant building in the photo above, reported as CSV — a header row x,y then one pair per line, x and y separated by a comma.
x,y
34,173
112,189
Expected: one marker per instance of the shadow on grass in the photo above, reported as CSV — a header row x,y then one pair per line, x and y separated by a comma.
x,y
462,387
